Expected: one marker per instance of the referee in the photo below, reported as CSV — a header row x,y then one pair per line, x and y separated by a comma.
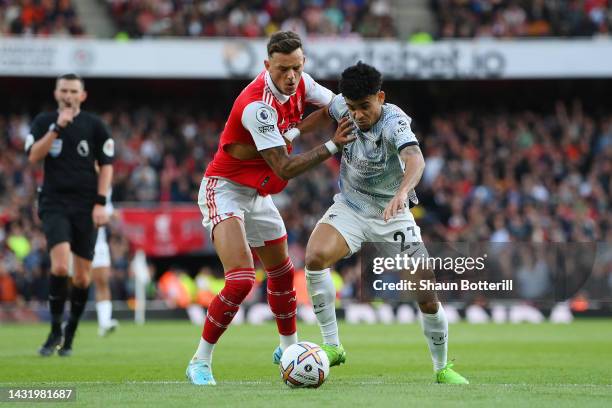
x,y
72,200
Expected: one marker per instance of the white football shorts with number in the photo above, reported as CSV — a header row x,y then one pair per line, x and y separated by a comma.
x,y
358,228
220,199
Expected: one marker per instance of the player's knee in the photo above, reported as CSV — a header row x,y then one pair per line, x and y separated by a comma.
x,y
101,285
239,259
59,269
316,259
81,281
238,290
100,281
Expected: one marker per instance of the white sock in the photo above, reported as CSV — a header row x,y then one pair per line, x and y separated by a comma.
x,y
286,341
105,310
435,329
204,351
323,296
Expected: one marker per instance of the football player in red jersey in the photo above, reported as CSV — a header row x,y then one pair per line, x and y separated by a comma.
x,y
252,162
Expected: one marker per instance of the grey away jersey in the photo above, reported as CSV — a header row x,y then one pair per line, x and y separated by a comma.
x,y
371,170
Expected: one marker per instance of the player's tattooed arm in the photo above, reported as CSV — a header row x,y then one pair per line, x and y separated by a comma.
x,y
287,167
414,165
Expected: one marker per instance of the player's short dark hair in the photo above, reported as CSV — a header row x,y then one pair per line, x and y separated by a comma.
x,y
284,42
360,80
71,77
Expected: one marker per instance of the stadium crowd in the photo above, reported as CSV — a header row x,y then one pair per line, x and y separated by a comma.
x,y
346,18
521,18
41,18
230,18
510,176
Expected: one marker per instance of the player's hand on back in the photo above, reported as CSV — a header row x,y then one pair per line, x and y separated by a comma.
x,y
100,216
397,205
344,133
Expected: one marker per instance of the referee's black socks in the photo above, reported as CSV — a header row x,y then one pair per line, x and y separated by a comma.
x,y
58,292
78,300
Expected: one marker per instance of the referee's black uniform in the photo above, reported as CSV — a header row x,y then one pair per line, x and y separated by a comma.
x,y
70,185
66,201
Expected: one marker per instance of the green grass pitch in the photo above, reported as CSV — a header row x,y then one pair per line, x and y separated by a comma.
x,y
387,365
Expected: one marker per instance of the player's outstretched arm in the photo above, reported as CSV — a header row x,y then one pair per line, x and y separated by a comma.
x,y
287,167
414,165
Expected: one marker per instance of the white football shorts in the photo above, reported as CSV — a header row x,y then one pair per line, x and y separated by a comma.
x,y
356,228
220,199
102,258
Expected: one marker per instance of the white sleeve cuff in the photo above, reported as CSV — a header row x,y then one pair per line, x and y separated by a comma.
x,y
331,146
292,134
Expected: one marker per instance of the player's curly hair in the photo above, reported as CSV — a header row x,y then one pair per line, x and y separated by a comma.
x,y
284,42
359,81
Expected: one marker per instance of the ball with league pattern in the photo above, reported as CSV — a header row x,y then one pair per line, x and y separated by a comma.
x,y
304,365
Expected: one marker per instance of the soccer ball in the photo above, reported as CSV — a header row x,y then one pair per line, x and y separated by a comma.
x,y
304,365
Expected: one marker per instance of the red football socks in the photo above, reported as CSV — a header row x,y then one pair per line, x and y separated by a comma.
x,y
282,297
223,308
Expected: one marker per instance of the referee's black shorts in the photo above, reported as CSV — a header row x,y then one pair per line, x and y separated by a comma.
x,y
70,224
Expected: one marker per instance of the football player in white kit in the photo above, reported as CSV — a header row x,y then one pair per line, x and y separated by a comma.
x,y
101,274
378,174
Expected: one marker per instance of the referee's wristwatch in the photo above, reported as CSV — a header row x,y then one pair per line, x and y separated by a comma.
x,y
55,127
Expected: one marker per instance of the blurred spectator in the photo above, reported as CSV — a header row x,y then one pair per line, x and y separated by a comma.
x,y
521,18
533,276
324,18
8,288
41,18
240,18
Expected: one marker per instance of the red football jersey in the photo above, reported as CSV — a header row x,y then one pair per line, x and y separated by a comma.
x,y
259,117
